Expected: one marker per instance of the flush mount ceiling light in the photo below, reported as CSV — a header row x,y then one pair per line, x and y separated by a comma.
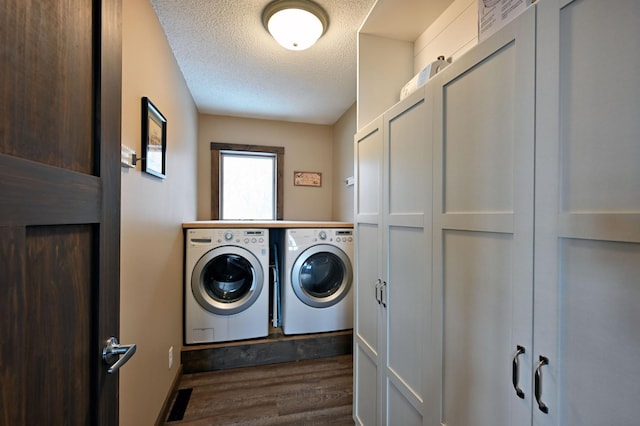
x,y
295,24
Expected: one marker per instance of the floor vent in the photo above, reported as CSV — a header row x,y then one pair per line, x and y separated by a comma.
x,y
180,405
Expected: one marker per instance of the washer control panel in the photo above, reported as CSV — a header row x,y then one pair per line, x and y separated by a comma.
x,y
241,237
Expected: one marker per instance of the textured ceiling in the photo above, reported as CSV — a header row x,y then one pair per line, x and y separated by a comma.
x,y
232,66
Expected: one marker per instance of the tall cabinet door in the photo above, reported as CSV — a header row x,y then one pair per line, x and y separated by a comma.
x,y
368,153
393,266
483,229
587,290
407,262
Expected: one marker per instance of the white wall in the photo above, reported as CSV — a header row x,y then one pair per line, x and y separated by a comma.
x,y
152,212
343,131
308,147
451,35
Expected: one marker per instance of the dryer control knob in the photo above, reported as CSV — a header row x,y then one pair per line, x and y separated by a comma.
x,y
228,236
322,235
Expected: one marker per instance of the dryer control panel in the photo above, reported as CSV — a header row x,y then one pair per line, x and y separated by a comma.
x,y
344,236
306,237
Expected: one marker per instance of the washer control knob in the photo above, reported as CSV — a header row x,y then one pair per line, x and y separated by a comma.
x,y
322,235
228,236
253,240
246,241
261,240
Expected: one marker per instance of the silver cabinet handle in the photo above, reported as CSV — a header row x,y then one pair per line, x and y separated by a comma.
x,y
383,294
111,352
515,371
538,384
378,291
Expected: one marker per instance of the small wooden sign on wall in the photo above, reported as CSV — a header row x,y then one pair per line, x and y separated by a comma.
x,y
307,179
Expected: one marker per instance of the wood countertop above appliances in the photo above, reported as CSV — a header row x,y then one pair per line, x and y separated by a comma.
x,y
265,224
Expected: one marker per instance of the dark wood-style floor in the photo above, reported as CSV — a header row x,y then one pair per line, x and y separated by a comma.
x,y
310,392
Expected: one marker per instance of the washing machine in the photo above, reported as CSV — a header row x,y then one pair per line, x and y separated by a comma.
x,y
316,286
226,295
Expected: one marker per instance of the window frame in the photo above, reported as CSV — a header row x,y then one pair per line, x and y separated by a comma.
x,y
216,147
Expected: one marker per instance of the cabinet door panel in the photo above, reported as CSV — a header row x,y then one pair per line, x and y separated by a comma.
x,y
598,353
368,337
401,411
479,119
598,137
406,132
483,227
478,309
407,237
587,216
407,306
369,163
366,387
367,308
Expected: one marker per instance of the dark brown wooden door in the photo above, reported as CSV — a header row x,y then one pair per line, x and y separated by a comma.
x,y
60,91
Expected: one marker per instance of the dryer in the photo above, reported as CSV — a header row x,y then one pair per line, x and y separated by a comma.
x,y
226,293
316,287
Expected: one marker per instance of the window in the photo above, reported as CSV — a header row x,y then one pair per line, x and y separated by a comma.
x,y
246,182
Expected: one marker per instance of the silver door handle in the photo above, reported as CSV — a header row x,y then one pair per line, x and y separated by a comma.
x,y
383,294
515,371
378,291
111,352
543,360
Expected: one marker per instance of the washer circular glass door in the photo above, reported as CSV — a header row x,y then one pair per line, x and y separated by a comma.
x,y
227,280
321,276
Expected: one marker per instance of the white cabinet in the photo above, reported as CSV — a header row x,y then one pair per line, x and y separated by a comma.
x,y
544,255
393,252
483,228
587,215
510,279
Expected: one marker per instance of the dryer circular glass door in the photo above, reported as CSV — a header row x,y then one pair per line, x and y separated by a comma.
x,y
227,280
321,276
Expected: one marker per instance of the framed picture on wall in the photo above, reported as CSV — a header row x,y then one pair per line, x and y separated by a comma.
x,y
307,179
154,140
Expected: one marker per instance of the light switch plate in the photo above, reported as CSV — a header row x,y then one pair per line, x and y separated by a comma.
x,y
126,156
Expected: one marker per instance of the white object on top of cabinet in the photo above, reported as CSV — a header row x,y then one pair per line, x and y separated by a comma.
x,y
386,52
